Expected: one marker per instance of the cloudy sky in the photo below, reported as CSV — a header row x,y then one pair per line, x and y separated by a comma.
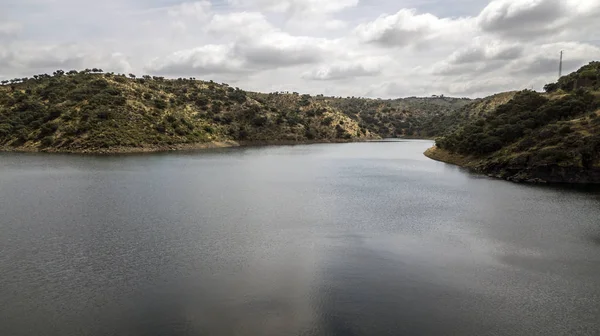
x,y
370,48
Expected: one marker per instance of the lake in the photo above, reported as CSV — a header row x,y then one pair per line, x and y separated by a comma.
x,y
327,239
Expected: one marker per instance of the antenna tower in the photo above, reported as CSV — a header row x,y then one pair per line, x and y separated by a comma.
x,y
560,65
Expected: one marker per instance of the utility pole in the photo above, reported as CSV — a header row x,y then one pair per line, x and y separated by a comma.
x,y
560,65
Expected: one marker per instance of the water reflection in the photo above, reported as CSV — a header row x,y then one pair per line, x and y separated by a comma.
x,y
343,239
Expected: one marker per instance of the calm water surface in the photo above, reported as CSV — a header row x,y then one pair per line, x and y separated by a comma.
x,y
336,239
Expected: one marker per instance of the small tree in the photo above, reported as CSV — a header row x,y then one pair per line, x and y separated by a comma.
x,y
47,141
551,87
160,104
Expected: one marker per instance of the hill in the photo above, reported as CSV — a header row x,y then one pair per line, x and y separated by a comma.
x,y
93,111
404,117
438,124
551,137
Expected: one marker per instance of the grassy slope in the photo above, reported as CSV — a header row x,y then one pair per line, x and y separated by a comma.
x,y
438,124
105,112
96,112
406,117
553,137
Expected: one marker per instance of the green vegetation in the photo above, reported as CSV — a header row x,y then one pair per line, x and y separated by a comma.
x,y
407,117
93,111
586,77
441,123
552,137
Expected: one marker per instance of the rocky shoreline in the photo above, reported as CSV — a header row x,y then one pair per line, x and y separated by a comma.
x,y
170,148
521,174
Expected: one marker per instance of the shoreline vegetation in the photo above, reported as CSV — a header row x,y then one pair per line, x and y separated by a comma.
x,y
548,174
551,137
523,136
91,111
193,146
177,147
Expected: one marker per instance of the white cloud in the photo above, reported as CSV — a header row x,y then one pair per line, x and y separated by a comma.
x,y
256,45
243,56
312,16
196,10
527,19
208,59
367,48
9,28
481,57
480,85
281,50
29,59
300,7
400,29
242,24
347,70
408,27
543,59
478,52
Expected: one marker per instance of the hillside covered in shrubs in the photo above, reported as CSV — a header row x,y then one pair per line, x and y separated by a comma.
x,y
552,136
93,111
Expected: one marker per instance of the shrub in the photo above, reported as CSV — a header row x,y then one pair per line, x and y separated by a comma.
x,y
69,130
551,87
327,121
181,131
47,141
5,129
489,145
113,91
237,95
161,128
566,129
259,121
104,114
526,144
53,113
202,101
160,104
551,155
48,128
216,107
208,129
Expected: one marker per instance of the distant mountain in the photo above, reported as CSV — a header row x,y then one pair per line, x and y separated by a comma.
x,y
552,137
441,123
92,111
406,117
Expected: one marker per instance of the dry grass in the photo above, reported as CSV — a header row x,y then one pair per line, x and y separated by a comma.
x,y
438,154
